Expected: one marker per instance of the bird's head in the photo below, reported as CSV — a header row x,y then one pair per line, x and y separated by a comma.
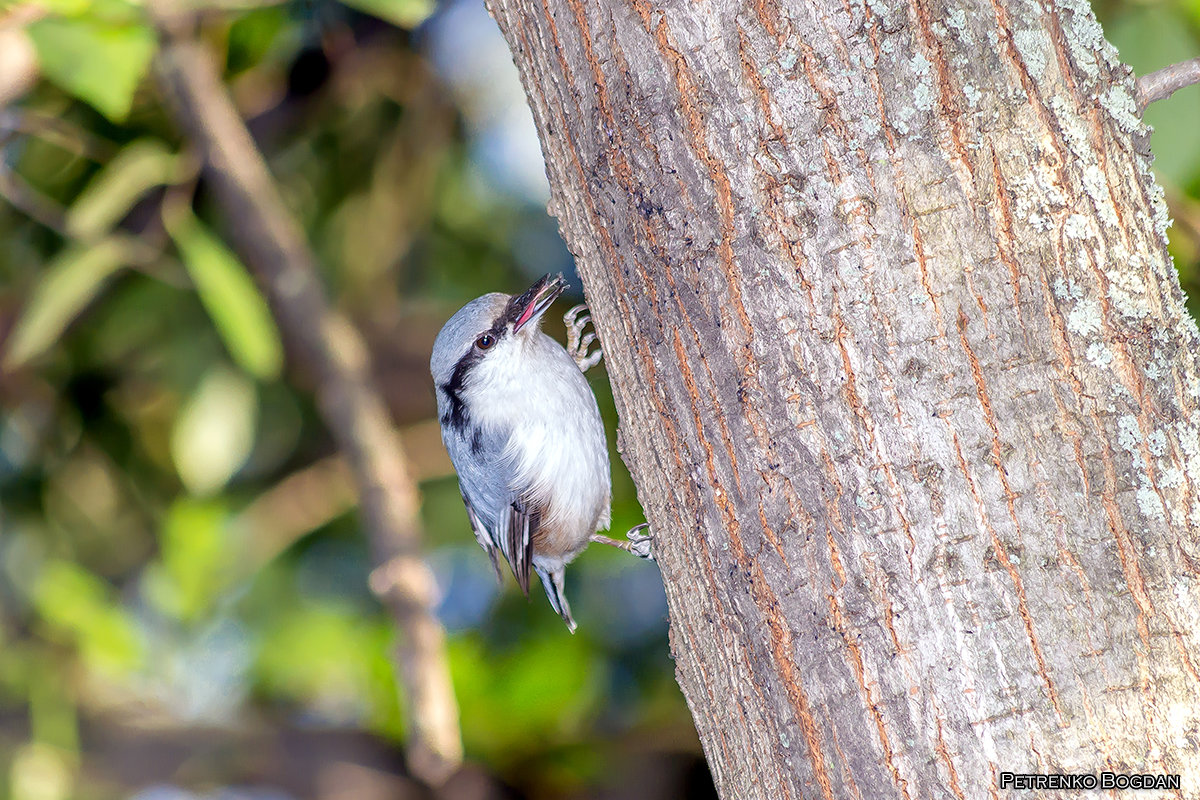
x,y
487,336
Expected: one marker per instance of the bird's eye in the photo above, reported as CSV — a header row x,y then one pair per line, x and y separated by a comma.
x,y
485,341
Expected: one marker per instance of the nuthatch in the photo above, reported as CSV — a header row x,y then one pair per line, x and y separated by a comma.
x,y
524,433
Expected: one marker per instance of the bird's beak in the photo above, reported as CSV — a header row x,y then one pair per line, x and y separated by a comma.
x,y
529,306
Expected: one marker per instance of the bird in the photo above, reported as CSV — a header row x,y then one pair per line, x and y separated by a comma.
x,y
525,436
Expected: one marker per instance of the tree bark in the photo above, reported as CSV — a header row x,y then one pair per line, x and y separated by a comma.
x,y
905,378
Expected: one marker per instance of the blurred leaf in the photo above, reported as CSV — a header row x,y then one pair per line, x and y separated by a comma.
x,y
139,320
69,8
106,10
1149,39
402,13
214,433
40,772
233,301
196,559
253,35
100,63
139,167
75,600
513,703
70,282
116,10
52,718
331,657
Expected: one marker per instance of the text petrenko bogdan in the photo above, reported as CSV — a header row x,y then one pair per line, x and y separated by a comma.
x,y
1087,780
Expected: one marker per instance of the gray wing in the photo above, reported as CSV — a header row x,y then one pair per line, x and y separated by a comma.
x,y
499,519
482,535
516,539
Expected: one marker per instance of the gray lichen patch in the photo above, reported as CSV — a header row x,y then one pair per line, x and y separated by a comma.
x,y
923,96
1148,500
1034,46
1077,226
1170,477
1129,434
1127,290
1084,39
1074,133
1158,206
1085,318
1095,183
1099,355
1118,101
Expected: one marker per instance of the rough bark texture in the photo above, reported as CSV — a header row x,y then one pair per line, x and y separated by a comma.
x,y
905,378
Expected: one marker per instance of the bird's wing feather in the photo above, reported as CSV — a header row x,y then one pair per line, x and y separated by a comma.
x,y
483,536
477,460
500,518
516,538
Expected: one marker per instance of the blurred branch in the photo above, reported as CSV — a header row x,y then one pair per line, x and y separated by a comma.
x,y
47,213
56,131
1163,83
142,252
24,198
22,14
272,246
322,491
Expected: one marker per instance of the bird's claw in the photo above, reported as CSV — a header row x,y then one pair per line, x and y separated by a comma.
x,y
639,543
577,341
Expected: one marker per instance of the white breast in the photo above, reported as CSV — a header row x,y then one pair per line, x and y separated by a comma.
x,y
556,449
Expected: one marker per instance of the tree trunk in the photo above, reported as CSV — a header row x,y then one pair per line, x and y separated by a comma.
x,y
905,377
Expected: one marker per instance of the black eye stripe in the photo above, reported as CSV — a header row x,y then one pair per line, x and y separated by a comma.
x,y
457,415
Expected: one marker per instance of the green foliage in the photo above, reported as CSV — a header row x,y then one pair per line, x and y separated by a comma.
x,y
228,292
213,434
255,34
534,695
99,61
71,281
139,167
78,604
335,659
196,560
401,13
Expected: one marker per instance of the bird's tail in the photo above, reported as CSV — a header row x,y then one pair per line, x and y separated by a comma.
x,y
553,583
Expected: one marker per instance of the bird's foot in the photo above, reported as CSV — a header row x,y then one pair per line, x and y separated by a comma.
x,y
638,543
577,341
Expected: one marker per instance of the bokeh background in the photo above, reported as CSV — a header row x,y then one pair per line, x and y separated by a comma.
x,y
184,609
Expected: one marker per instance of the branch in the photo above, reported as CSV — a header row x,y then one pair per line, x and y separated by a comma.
x,y
274,249
56,131
1165,82
140,254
